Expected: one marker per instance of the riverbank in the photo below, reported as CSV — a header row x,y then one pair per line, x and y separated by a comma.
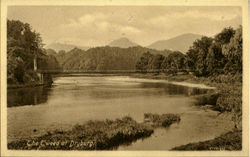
x,y
15,86
97,135
227,98
47,81
229,141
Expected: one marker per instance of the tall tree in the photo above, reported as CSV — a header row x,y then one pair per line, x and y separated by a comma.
x,y
215,59
233,52
145,61
197,55
224,36
157,61
23,45
174,62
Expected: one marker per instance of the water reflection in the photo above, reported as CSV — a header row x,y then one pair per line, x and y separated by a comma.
x,y
27,96
172,89
76,100
97,88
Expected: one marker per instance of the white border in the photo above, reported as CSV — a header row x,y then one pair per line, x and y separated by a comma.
x,y
242,3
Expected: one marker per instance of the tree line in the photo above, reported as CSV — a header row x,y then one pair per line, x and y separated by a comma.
x,y
207,56
23,45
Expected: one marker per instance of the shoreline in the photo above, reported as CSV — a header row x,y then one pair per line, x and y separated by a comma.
x,y
233,137
97,135
17,86
24,86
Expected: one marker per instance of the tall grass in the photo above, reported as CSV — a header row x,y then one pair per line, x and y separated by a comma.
x,y
163,120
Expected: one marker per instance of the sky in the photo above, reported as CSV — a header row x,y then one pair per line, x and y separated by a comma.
x,y
99,25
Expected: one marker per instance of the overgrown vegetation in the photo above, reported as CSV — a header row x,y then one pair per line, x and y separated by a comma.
x,y
229,141
23,45
206,57
103,58
163,120
96,135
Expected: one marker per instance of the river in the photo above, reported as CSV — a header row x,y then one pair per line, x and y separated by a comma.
x,y
76,99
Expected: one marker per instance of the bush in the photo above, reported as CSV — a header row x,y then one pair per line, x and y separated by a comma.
x,y
19,73
163,120
207,99
226,78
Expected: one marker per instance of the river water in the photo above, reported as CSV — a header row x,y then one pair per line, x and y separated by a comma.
x,y
76,99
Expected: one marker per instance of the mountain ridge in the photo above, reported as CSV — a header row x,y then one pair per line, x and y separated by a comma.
x,y
179,43
57,46
122,43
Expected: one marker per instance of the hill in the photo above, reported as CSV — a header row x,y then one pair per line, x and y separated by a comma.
x,y
66,47
104,58
179,43
122,43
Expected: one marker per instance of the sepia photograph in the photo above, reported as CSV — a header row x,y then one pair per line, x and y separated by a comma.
x,y
81,77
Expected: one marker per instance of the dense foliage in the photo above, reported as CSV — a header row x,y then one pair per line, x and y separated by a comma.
x,y
23,45
207,56
103,58
172,63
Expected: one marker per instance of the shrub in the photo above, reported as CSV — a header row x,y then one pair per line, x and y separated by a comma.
x,y
163,120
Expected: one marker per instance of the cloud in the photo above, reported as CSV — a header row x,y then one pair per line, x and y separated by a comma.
x,y
129,29
99,22
95,28
173,17
199,14
192,21
101,27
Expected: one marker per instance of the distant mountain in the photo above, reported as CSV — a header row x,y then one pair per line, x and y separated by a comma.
x,y
66,47
179,43
122,43
104,58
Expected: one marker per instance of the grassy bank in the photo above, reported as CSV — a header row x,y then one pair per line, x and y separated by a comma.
x,y
229,141
94,135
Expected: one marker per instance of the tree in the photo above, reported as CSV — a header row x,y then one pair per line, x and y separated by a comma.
x,y
174,62
23,45
21,37
197,55
233,52
191,58
224,36
223,53
215,59
157,61
144,61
